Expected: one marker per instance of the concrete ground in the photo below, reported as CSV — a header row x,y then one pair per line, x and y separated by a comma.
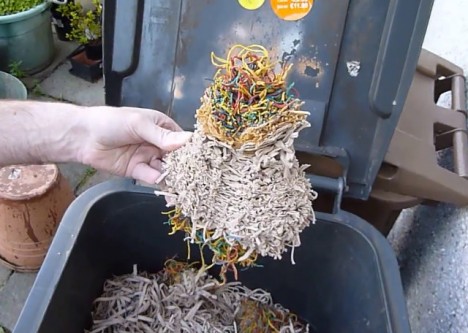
x,y
431,243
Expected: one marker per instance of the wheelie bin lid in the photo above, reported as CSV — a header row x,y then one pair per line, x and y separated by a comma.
x,y
354,61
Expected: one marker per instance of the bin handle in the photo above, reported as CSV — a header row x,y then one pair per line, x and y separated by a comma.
x,y
393,72
460,135
115,78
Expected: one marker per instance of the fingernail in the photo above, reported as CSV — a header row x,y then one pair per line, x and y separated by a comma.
x,y
177,139
184,136
181,138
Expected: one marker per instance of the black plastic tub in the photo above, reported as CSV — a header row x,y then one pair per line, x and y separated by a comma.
x,y
345,279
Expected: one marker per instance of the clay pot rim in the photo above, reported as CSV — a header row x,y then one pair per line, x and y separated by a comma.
x,y
19,269
37,192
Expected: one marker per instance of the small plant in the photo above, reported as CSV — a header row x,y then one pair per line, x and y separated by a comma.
x,y
15,69
85,25
8,7
36,90
87,175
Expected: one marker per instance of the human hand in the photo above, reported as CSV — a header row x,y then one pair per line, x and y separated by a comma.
x,y
130,142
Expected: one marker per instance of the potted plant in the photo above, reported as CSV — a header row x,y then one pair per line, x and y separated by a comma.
x,y
86,29
26,35
85,26
61,23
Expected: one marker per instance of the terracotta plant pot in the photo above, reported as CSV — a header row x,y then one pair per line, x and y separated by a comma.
x,y
85,68
33,200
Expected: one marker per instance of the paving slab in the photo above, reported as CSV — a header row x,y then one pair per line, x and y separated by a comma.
x,y
64,86
42,98
73,173
4,275
12,297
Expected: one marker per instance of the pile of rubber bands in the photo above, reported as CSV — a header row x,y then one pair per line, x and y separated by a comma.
x,y
237,187
184,298
248,99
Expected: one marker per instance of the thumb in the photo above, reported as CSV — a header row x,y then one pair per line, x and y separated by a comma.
x,y
165,139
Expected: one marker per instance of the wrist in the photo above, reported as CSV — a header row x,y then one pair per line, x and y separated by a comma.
x,y
67,132
40,132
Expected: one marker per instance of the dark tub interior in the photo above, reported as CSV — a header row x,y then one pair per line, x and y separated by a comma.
x,y
345,278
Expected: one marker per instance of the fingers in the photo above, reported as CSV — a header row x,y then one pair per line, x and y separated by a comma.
x,y
163,120
163,138
143,115
144,164
145,173
161,131
166,122
156,163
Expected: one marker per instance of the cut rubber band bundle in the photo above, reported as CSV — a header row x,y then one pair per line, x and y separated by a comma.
x,y
237,187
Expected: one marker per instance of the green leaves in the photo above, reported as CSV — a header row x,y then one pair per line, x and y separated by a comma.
x,y
8,7
15,69
85,26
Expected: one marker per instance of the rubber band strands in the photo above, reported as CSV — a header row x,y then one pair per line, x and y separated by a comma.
x,y
246,101
248,98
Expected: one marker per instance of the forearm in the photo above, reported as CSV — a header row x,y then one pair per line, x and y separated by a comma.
x,y
40,132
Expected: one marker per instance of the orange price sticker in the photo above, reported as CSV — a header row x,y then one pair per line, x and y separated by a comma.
x,y
291,10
